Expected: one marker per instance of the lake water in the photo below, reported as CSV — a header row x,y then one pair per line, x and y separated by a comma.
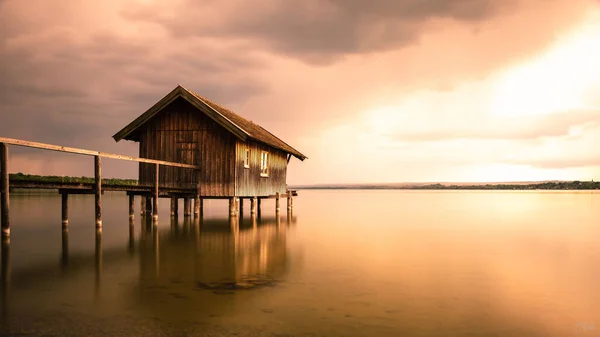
x,y
346,263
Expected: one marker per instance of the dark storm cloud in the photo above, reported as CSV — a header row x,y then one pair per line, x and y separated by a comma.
x,y
319,31
58,88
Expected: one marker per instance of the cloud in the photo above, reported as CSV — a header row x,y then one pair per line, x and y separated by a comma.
x,y
317,31
498,128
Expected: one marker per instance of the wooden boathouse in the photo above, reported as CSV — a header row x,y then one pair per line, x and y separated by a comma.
x,y
190,148
237,158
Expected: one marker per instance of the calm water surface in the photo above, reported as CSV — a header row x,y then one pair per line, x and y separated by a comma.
x,y
345,263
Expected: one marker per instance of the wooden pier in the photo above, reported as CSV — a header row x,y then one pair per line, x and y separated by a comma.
x,y
149,193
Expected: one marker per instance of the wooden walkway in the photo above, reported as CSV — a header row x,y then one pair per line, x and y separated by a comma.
x,y
149,194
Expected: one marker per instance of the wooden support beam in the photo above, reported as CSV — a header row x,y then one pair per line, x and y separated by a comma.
x,y
253,205
289,201
241,206
65,209
142,205
197,205
131,208
277,202
186,207
98,190
174,206
155,205
5,192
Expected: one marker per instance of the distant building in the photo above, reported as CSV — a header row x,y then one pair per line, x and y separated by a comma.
x,y
238,158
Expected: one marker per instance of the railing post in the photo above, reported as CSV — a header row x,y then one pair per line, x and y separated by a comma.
x,y
98,190
155,205
5,192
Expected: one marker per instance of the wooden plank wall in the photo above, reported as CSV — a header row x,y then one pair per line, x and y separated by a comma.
x,y
249,181
180,133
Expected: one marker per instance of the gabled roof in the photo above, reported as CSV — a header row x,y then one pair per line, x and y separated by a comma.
x,y
234,123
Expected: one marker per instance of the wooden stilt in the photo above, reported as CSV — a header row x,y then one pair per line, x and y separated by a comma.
x,y
5,191
197,205
174,201
232,206
142,205
258,207
148,208
277,202
155,204
98,190
241,208
253,205
289,201
186,207
131,210
65,209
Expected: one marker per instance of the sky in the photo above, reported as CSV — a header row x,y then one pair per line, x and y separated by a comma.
x,y
371,91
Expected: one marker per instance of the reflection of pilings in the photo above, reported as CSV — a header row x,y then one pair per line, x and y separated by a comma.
x,y
98,261
5,274
64,258
156,252
131,235
187,224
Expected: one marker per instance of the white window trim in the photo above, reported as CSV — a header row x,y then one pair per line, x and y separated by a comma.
x,y
264,163
246,158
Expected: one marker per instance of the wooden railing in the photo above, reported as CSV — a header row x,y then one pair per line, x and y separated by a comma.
x,y
5,184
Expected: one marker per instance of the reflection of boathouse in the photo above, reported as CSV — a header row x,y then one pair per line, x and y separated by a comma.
x,y
219,255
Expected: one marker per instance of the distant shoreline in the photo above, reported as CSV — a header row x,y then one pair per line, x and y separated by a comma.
x,y
544,185
562,185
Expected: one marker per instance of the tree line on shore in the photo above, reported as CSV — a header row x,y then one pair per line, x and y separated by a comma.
x,y
65,179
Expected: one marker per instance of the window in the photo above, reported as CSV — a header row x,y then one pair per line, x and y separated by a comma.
x,y
264,164
247,158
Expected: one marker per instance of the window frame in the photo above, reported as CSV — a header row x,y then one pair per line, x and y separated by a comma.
x,y
247,158
264,163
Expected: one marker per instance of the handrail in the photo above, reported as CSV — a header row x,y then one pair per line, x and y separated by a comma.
x,y
66,149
